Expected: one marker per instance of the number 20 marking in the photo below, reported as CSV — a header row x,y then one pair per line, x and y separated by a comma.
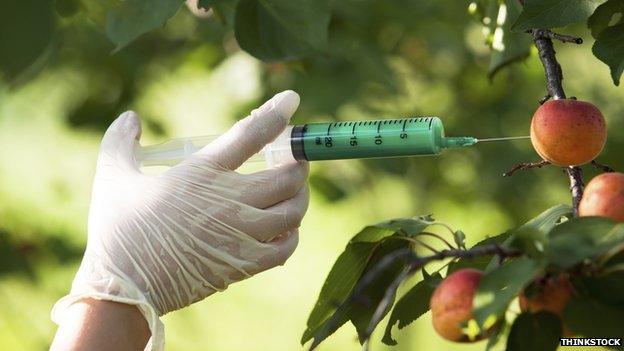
x,y
328,142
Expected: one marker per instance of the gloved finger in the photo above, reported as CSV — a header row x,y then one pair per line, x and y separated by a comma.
x,y
271,186
117,150
265,225
285,246
249,135
271,254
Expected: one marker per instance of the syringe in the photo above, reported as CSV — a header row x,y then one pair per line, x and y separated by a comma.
x,y
331,141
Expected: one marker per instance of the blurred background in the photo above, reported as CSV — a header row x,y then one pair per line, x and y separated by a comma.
x,y
388,59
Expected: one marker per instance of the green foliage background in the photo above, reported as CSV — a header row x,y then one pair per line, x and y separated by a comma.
x,y
383,59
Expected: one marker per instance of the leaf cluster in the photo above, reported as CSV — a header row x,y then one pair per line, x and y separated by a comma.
x,y
270,30
590,250
505,21
603,18
283,30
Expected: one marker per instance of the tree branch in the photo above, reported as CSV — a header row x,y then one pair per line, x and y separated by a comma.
x,y
576,186
554,75
523,166
602,167
561,37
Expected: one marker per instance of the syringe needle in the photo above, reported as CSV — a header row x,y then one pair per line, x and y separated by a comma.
x,y
505,138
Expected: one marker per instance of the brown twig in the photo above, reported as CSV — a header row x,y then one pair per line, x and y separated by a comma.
x,y
602,167
576,186
561,37
523,166
554,76
439,237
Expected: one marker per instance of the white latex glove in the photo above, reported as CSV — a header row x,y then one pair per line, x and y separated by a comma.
x,y
164,242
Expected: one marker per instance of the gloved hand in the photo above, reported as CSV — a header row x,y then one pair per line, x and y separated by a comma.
x,y
164,242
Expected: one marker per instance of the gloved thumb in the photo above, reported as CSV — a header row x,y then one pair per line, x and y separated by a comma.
x,y
117,151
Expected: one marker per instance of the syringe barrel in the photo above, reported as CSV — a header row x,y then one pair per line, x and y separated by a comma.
x,y
368,139
326,141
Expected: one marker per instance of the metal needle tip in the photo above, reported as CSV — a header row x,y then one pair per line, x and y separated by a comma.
x,y
505,138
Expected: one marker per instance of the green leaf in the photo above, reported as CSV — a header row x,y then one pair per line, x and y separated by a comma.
x,y
26,31
582,238
500,286
337,287
348,268
411,306
405,226
591,318
362,310
602,17
546,14
548,219
609,48
498,336
273,30
607,288
532,237
535,331
539,226
133,18
507,46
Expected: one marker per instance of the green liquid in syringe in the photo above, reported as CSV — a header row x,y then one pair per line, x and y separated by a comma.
x,y
372,139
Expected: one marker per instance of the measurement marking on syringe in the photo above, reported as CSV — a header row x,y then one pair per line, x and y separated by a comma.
x,y
404,122
378,126
430,121
353,130
328,128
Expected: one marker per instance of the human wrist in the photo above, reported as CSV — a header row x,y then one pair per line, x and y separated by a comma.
x,y
92,324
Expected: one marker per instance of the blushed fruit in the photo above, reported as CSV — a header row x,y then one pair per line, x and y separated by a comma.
x,y
451,305
568,132
551,294
604,196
